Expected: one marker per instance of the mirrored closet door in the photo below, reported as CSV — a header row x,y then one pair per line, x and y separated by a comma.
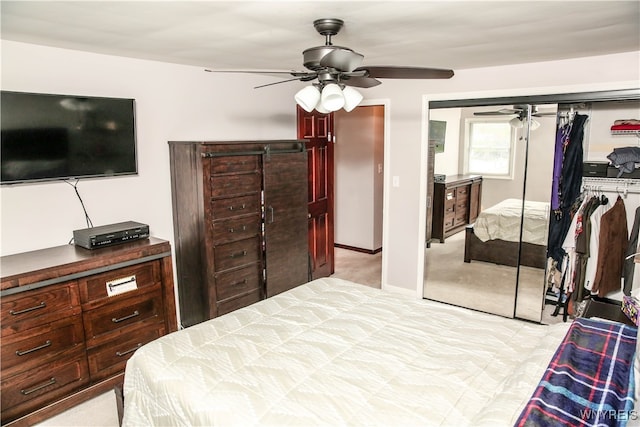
x,y
495,163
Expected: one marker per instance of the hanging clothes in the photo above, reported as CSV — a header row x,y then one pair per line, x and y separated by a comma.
x,y
612,248
632,249
569,185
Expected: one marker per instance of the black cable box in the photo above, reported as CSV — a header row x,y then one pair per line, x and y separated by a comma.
x,y
112,234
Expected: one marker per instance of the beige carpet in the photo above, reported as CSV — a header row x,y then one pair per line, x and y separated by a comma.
x,y
358,267
484,286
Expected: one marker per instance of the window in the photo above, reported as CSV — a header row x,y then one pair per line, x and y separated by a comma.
x,y
489,147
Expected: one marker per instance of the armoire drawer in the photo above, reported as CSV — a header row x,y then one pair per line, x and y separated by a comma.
x,y
235,303
234,206
120,282
111,357
237,253
230,230
33,388
228,164
113,318
242,183
24,311
236,282
40,345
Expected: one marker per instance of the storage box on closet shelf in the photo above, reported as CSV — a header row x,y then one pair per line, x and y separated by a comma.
x,y
626,127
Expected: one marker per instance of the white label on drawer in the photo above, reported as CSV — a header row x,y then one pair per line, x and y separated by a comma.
x,y
120,286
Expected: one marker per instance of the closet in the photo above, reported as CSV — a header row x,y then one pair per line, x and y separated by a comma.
x,y
240,223
521,291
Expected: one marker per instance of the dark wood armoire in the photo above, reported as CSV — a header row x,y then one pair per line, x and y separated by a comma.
x,y
240,223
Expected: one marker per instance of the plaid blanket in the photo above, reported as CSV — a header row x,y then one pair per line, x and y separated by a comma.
x,y
589,381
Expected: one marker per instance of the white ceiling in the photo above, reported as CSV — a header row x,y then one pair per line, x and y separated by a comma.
x,y
271,35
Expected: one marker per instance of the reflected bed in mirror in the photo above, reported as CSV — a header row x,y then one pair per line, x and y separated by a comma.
x,y
495,235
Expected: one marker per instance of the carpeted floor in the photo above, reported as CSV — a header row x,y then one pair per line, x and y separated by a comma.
x,y
484,286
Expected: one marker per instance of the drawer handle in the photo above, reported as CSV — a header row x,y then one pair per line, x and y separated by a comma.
x,y
241,282
40,347
239,254
38,387
232,230
131,350
26,310
122,319
233,208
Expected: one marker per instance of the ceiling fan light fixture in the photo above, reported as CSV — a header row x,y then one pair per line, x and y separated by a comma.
x,y
534,125
321,109
352,98
516,123
308,98
332,98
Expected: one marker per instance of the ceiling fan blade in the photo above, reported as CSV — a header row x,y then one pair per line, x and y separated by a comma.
x,y
342,59
494,113
303,78
357,81
394,72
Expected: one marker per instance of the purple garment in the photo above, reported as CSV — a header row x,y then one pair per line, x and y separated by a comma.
x,y
557,169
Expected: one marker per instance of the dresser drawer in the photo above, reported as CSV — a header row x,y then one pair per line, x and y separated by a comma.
x,y
34,388
236,303
237,253
234,206
26,310
40,345
228,185
97,288
110,358
113,318
229,164
237,282
462,193
236,228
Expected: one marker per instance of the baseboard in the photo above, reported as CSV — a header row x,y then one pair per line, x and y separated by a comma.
x,y
399,290
356,249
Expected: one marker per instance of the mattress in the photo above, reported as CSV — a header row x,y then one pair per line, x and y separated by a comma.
x,y
332,352
502,221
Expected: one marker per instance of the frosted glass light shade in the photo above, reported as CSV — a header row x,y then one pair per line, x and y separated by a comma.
x,y
332,98
308,98
321,109
515,123
534,124
351,98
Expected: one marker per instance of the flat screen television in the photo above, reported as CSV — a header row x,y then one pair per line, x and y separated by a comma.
x,y
51,137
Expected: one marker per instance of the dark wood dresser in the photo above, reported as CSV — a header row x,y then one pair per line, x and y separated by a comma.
x,y
240,221
72,317
456,203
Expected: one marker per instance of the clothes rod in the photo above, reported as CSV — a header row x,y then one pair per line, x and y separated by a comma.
x,y
618,185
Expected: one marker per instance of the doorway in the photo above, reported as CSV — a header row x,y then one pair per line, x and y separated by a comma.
x,y
346,190
359,192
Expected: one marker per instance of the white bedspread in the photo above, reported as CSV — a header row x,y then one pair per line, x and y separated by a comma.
x,y
333,353
502,221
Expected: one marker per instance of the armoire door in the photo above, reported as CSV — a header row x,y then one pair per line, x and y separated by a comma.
x,y
285,225
317,129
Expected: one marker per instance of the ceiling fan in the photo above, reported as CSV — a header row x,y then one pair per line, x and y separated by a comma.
x,y
520,111
338,68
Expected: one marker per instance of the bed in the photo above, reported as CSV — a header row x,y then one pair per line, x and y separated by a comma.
x,y
332,352
495,235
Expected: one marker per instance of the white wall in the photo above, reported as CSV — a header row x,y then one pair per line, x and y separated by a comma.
x,y
173,102
182,103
